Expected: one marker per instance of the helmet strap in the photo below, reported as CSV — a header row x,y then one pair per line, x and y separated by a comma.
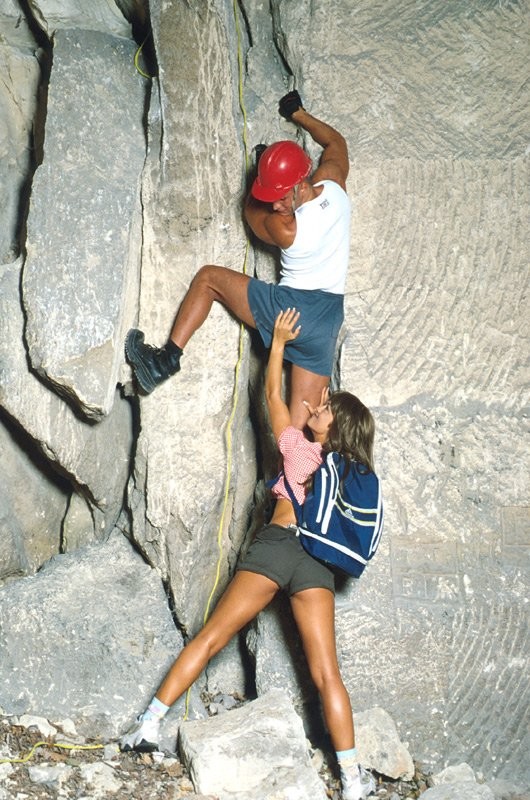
x,y
295,195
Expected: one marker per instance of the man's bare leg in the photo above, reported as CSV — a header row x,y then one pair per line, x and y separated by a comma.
x,y
307,386
153,365
230,288
211,283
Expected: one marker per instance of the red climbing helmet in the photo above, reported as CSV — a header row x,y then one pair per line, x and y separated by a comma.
x,y
281,166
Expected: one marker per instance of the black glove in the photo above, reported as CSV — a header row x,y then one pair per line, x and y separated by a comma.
x,y
290,103
258,152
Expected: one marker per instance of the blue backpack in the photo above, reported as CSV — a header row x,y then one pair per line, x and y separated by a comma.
x,y
341,524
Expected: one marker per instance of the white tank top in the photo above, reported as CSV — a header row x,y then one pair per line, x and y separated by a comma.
x,y
318,257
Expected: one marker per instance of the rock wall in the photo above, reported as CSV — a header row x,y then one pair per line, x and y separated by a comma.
x,y
138,182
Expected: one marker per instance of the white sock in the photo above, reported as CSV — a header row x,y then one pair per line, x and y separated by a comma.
x,y
155,709
347,758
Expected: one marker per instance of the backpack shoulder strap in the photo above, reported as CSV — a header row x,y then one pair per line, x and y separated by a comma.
x,y
296,505
273,481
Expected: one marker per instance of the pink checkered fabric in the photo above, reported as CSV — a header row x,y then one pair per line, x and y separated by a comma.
x,y
300,460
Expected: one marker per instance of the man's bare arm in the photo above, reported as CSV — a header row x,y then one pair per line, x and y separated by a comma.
x,y
268,226
334,163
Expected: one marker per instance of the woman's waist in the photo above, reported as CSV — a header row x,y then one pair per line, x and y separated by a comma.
x,y
283,515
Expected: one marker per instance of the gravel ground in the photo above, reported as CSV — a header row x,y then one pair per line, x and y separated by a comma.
x,y
133,776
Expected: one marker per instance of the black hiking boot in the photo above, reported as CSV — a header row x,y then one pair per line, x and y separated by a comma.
x,y
151,365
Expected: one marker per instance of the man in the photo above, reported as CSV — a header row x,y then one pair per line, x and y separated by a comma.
x,y
308,218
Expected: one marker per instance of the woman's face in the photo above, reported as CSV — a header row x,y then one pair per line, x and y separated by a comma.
x,y
320,420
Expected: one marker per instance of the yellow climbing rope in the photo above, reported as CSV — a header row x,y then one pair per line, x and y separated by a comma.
x,y
137,57
63,745
235,395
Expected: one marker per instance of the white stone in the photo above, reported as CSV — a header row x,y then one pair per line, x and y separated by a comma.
x,y
506,790
111,751
79,257
379,746
257,750
457,773
49,775
187,222
94,457
6,769
78,646
101,778
42,724
67,727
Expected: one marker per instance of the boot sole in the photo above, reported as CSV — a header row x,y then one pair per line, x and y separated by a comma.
x,y
141,747
132,341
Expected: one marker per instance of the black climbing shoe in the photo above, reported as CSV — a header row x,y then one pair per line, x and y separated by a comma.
x,y
151,365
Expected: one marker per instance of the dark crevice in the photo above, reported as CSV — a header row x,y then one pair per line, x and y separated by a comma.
x,y
137,13
146,53
23,442
277,37
244,15
44,55
38,34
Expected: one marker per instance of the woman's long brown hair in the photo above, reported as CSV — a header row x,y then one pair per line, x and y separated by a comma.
x,y
352,431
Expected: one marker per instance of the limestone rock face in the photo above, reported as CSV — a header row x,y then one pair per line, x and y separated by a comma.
x,y
117,188
439,184
82,213
379,745
99,15
465,790
190,501
93,457
33,504
91,646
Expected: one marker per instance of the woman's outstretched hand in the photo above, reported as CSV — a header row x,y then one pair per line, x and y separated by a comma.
x,y
324,400
284,326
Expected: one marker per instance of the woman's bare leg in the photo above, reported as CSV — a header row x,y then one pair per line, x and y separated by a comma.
x,y
314,613
211,283
307,386
247,594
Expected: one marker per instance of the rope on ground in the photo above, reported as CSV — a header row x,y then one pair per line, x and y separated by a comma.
x,y
63,745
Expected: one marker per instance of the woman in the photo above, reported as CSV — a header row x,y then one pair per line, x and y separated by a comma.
x,y
276,560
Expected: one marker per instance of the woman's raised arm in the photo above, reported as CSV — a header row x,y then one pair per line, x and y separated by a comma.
x,y
284,331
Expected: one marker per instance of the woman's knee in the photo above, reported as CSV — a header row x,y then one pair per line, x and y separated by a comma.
x,y
211,641
326,678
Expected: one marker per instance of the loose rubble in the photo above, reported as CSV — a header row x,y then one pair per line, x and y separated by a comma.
x,y
106,772
89,774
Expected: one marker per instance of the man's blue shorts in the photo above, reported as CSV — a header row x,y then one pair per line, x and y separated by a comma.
x,y
321,316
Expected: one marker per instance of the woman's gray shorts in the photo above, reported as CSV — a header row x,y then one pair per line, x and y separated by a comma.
x,y
278,554
321,316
